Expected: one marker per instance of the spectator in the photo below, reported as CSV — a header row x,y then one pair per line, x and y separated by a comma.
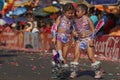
x,y
7,28
27,27
109,24
14,27
42,30
47,37
105,18
35,27
93,16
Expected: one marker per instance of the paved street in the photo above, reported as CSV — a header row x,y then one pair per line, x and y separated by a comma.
x,y
37,66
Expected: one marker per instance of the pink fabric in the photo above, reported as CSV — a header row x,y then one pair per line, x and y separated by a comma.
x,y
8,29
54,27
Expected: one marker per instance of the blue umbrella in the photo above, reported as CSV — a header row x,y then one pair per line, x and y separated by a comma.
x,y
19,11
8,20
1,4
96,2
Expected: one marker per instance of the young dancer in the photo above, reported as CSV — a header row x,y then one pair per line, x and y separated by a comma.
x,y
85,33
63,32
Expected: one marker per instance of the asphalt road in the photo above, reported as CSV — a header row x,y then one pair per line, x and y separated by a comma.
x,y
37,66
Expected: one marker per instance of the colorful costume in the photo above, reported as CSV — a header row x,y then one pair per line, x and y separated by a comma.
x,y
84,32
64,24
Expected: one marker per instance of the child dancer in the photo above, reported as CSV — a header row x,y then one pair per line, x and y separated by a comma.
x,y
62,36
85,33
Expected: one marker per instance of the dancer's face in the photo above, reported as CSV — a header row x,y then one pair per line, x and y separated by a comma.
x,y
69,14
79,12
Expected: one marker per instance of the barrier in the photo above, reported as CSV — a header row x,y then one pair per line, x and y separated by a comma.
x,y
108,47
19,40
12,40
31,40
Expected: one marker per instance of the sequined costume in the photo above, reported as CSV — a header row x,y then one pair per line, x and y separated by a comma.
x,y
65,24
84,32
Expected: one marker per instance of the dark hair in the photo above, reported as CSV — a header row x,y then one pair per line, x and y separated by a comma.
x,y
0,16
83,7
68,6
92,10
28,24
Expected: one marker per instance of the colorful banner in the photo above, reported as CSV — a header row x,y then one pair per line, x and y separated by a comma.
x,y
108,47
12,40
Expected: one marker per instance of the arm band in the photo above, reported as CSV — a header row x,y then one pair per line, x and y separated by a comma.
x,y
93,35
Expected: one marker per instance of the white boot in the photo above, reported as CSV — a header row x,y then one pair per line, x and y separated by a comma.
x,y
74,68
60,55
97,67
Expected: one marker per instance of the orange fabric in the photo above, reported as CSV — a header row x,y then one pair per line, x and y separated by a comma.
x,y
105,8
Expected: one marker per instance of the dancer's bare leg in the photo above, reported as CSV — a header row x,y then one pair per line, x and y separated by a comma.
x,y
65,52
90,51
77,52
95,64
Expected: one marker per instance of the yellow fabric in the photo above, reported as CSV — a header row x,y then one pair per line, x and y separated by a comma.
x,y
51,9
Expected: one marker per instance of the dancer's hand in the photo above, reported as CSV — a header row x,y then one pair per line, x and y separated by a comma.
x,y
75,33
